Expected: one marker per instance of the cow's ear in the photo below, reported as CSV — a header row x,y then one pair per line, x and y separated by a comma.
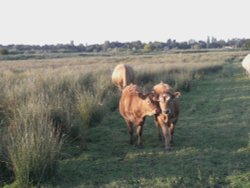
x,y
177,94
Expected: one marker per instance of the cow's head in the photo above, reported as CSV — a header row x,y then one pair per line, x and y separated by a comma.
x,y
166,101
149,105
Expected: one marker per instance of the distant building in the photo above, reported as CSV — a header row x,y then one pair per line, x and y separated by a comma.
x,y
231,47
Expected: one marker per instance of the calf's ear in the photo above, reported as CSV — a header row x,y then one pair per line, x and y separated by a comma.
x,y
177,94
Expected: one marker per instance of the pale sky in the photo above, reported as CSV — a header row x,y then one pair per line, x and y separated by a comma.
x,y
95,21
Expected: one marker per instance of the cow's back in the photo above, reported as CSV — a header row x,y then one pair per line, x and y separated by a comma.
x,y
246,63
123,75
128,101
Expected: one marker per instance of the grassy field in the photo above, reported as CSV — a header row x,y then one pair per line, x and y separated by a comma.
x,y
212,137
212,143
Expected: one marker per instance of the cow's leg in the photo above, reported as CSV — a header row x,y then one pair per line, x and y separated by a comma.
x,y
131,132
139,135
166,135
157,124
171,128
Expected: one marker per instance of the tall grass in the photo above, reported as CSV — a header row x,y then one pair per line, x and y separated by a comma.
x,y
178,75
33,144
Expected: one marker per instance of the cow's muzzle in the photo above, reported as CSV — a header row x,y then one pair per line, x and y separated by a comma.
x,y
167,111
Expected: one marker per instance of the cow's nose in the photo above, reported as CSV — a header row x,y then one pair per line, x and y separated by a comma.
x,y
168,111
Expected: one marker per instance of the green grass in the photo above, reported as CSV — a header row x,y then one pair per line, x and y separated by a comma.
x,y
212,143
32,145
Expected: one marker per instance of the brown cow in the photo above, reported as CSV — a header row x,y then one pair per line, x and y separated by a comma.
x,y
123,75
167,119
134,107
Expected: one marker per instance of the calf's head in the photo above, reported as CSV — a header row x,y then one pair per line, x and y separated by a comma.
x,y
166,102
149,105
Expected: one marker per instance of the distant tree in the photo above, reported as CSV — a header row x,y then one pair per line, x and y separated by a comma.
x,y
247,44
213,40
202,44
4,51
183,45
148,48
137,45
222,43
106,46
196,46
208,42
158,45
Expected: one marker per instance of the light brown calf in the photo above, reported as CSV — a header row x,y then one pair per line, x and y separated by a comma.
x,y
169,105
134,107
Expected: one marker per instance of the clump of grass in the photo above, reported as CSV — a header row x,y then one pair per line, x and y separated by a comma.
x,y
94,99
33,145
89,107
239,180
90,111
6,173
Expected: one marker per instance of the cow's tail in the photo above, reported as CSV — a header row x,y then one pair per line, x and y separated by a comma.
x,y
125,76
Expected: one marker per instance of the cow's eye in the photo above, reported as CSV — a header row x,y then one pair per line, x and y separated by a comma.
x,y
168,98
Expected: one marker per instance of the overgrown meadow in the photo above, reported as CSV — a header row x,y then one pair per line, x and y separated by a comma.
x,y
54,112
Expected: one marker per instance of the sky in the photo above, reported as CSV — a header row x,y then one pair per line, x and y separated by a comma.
x,y
42,22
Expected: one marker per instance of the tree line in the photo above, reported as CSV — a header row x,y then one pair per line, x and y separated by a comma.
x,y
135,46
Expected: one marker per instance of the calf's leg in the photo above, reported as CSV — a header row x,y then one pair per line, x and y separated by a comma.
x,y
157,124
131,132
166,135
139,134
